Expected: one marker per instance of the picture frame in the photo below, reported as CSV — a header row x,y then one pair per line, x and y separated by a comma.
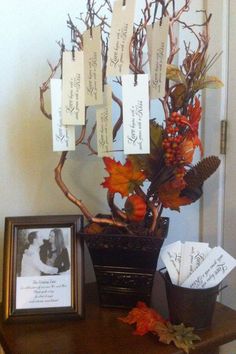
x,y
43,269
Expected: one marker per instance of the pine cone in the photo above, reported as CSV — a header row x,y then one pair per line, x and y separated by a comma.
x,y
199,173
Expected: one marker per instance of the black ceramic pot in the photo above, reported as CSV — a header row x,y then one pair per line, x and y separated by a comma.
x,y
125,266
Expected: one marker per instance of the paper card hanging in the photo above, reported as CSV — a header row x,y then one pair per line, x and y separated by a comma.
x,y
73,101
157,37
136,122
93,67
63,135
120,36
104,124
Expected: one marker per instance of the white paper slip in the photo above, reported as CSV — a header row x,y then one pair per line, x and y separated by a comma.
x,y
157,38
171,256
104,124
217,265
136,131
120,37
93,67
193,254
63,136
73,101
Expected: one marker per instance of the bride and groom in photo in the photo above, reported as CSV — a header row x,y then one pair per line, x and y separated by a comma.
x,y
45,256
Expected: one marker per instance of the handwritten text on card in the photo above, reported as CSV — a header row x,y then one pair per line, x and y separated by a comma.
x,y
43,292
63,135
171,256
104,124
157,36
217,265
93,67
136,114
120,37
73,101
193,254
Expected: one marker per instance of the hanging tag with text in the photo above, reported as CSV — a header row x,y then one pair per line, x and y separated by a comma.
x,y
73,102
93,67
120,36
157,37
63,136
217,265
136,122
104,124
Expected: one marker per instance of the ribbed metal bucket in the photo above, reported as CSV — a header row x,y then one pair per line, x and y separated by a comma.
x,y
193,307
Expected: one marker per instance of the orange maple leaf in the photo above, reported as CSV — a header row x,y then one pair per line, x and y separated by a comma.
x,y
144,317
123,178
186,149
170,197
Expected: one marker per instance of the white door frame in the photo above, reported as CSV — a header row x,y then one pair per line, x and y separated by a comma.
x,y
215,110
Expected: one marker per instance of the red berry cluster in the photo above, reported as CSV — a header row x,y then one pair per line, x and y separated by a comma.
x,y
173,138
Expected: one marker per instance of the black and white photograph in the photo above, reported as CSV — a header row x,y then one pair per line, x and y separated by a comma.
x,y
43,267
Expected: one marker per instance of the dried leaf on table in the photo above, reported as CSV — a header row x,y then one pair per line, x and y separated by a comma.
x,y
144,317
183,337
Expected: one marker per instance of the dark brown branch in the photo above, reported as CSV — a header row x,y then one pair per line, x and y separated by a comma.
x,y
45,86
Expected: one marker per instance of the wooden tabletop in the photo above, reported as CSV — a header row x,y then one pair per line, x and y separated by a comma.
x,y
102,333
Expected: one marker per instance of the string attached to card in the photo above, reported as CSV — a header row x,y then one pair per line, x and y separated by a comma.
x,y
93,76
120,36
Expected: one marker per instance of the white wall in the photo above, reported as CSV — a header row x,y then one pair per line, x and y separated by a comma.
x,y
29,30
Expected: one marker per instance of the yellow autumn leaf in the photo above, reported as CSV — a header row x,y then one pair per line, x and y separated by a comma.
x,y
211,82
183,337
174,73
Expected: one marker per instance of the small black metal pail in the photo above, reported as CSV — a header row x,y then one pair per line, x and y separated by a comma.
x,y
193,307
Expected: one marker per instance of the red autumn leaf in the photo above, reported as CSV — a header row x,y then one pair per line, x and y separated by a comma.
x,y
194,117
195,113
170,197
144,317
123,178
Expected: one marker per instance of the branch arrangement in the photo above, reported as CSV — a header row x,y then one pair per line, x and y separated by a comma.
x,y
171,179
